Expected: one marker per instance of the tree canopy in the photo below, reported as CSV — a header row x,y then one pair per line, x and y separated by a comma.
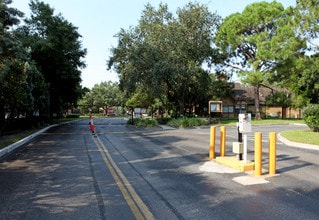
x,y
164,54
294,51
304,73
15,90
57,50
243,37
40,63
265,45
102,95
269,45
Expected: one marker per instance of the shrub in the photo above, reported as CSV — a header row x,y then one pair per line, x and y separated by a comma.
x,y
311,117
313,123
187,122
144,122
163,121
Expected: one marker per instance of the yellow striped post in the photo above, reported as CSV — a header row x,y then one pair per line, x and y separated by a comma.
x,y
272,153
222,140
258,154
212,142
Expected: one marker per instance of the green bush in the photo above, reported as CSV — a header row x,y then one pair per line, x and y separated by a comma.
x,y
144,122
313,123
163,121
311,117
187,122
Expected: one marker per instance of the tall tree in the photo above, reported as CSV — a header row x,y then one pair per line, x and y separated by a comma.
x,y
15,93
164,54
242,36
294,52
57,50
305,73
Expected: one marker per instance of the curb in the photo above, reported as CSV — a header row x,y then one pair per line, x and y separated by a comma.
x,y
14,146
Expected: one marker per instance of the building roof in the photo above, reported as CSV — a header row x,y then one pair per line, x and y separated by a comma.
x,y
246,93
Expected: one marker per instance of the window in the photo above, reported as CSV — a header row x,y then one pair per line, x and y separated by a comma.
x,y
241,108
228,109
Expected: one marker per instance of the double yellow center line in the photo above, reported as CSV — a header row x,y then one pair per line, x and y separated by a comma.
x,y
137,206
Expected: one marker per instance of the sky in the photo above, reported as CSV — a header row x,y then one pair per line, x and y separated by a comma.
x,y
98,21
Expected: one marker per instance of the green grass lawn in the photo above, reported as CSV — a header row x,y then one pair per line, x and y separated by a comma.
x,y
302,136
278,121
226,121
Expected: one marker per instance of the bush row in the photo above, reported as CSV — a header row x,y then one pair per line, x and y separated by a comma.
x,y
143,122
187,122
176,123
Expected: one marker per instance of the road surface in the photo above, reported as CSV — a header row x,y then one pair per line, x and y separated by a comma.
x,y
124,172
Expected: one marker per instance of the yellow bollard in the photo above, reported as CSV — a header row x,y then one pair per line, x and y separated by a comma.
x,y
222,140
258,154
272,153
212,142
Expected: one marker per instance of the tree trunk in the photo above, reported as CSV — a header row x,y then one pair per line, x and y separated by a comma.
x,y
257,103
2,118
181,108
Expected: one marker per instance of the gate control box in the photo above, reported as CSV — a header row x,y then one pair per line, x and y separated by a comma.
x,y
244,123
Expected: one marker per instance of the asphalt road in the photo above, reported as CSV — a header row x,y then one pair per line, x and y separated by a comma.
x,y
124,172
